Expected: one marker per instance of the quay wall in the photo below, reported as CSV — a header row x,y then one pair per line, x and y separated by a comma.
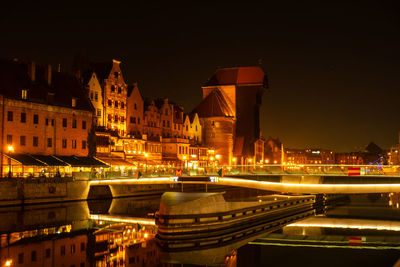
x,y
25,191
16,191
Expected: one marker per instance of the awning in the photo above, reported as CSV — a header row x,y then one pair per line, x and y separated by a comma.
x,y
25,160
117,161
75,161
49,160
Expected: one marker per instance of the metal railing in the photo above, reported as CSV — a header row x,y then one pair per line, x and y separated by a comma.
x,y
227,170
257,170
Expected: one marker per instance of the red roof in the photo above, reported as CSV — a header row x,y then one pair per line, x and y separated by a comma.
x,y
237,76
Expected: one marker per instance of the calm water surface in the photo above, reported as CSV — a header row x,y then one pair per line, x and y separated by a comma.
x,y
358,230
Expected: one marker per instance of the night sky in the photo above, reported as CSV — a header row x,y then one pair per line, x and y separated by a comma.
x,y
333,66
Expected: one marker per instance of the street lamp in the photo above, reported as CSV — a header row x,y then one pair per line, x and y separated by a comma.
x,y
10,150
145,156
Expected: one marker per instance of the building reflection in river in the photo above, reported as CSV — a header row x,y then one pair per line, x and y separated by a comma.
x,y
116,244
48,247
121,244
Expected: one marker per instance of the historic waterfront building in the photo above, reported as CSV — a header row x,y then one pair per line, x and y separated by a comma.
x,y
229,114
134,112
95,94
115,92
42,112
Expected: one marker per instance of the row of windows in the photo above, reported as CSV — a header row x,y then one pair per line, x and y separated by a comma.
x,y
182,149
116,118
47,252
163,123
49,142
10,117
94,96
116,88
134,120
116,104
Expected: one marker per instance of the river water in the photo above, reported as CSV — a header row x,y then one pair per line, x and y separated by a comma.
x,y
356,230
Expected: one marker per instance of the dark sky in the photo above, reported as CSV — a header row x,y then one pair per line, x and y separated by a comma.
x,y
333,66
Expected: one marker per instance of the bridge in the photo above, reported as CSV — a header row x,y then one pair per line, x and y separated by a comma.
x,y
310,179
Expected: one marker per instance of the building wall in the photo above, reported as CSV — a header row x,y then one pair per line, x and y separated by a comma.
x,y
49,126
176,149
195,130
166,118
247,111
218,134
115,98
96,97
151,125
178,119
135,113
65,251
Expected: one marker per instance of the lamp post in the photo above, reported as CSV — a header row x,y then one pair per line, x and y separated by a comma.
x,y
249,160
10,150
146,156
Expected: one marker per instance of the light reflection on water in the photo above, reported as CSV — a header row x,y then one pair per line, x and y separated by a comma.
x,y
122,233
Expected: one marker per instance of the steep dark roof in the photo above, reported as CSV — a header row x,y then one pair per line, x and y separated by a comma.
x,y
146,103
159,102
373,148
192,116
238,76
214,105
63,87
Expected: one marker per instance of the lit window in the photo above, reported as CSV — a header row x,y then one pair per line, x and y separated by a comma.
x,y
73,103
24,94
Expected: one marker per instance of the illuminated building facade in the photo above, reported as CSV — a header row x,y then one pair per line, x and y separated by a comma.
x,y
176,151
309,156
95,94
134,112
115,92
229,113
152,127
43,112
273,151
349,158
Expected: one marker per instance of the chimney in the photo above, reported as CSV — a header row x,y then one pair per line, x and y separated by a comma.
x,y
32,70
47,74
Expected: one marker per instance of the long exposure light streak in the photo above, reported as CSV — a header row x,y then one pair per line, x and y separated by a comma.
x,y
263,185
